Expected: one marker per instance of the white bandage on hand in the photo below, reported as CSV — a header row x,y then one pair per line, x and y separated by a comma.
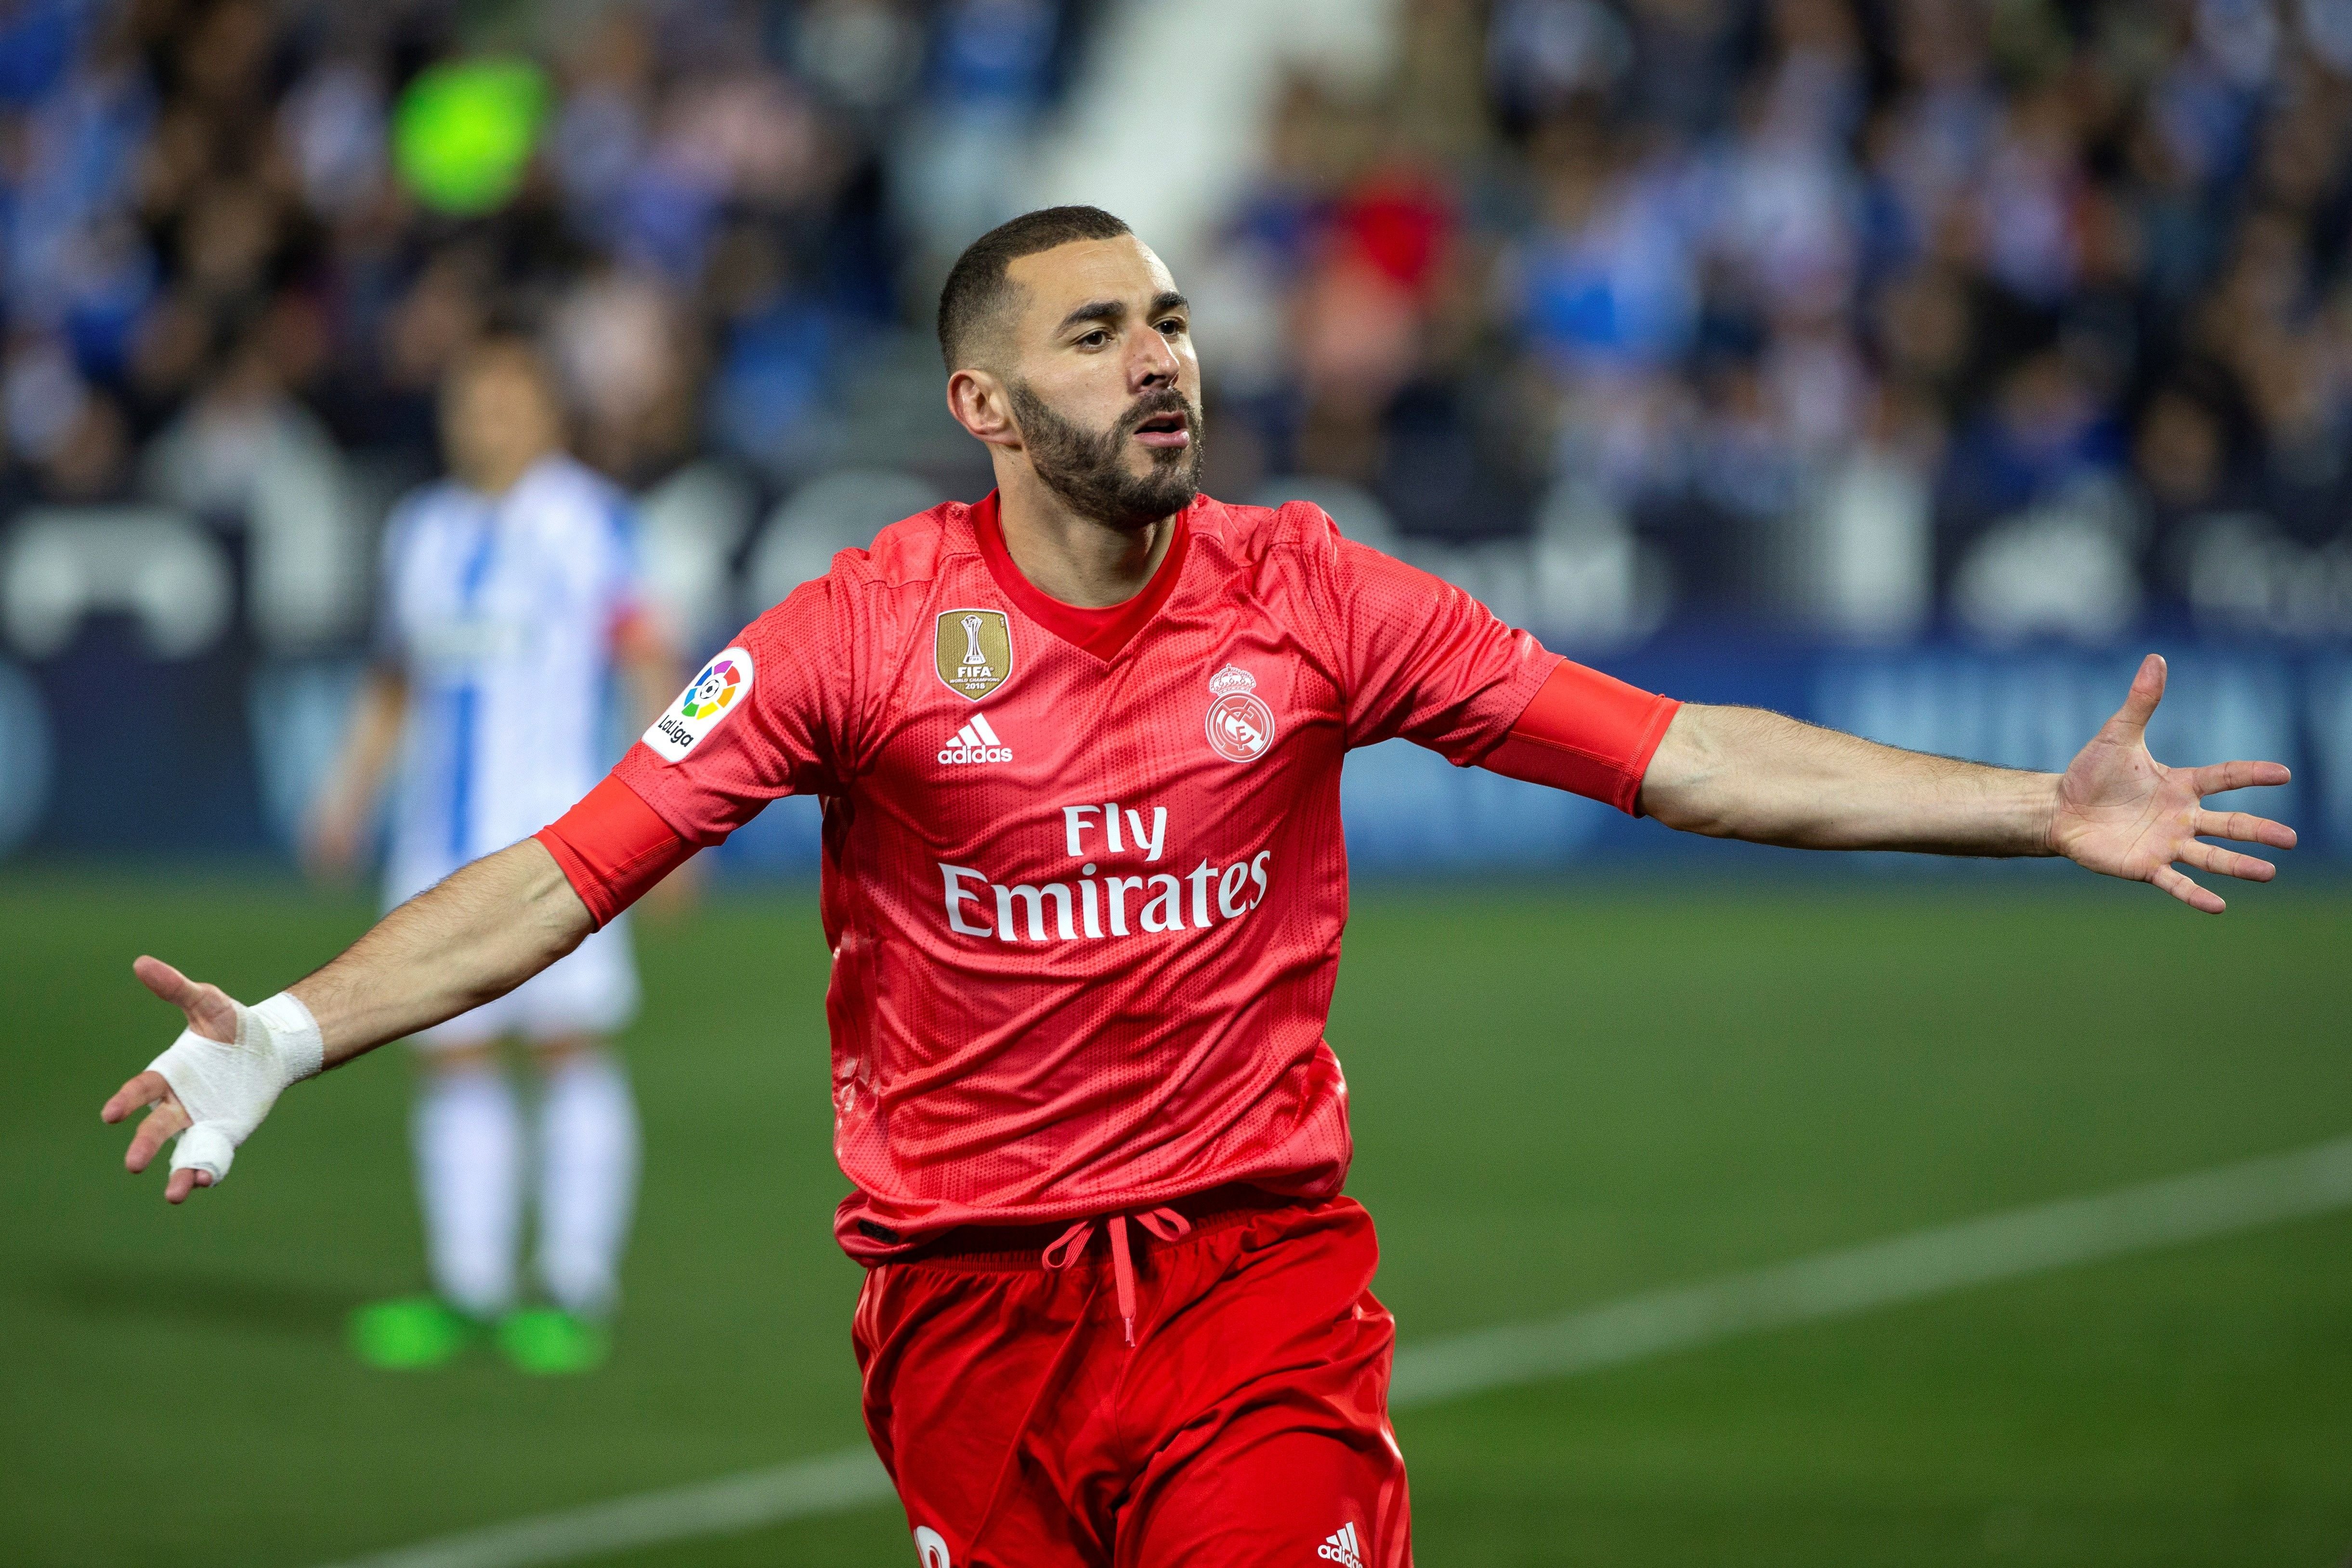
x,y
228,1087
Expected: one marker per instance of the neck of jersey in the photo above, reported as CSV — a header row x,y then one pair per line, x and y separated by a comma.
x,y
1101,632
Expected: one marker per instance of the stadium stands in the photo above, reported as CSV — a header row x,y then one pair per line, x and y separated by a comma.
x,y
1659,324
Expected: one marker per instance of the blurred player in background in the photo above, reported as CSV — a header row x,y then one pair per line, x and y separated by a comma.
x,y
1079,746
509,597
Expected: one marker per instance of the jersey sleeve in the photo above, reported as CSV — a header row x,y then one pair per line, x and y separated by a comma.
x,y
1420,658
612,848
772,714
1586,732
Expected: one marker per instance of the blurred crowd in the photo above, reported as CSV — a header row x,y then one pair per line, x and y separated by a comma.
x,y
1867,317
2023,317
225,293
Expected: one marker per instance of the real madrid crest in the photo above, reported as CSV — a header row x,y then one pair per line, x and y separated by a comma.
x,y
973,651
1241,726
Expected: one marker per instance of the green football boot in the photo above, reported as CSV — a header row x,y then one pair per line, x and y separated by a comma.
x,y
547,1342
412,1333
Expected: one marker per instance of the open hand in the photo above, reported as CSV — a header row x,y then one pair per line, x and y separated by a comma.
x,y
211,1014
2123,813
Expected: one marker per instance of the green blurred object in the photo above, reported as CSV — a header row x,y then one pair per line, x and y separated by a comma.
x,y
411,1333
548,1343
463,133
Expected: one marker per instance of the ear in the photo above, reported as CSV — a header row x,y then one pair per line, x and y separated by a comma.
x,y
977,400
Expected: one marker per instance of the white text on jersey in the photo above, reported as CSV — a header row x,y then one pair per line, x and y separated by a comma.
x,y
976,742
1094,907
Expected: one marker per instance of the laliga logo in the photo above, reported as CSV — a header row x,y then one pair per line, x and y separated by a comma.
x,y
713,690
1241,726
723,682
931,1548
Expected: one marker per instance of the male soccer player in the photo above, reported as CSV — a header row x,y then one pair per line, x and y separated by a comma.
x,y
1079,749
509,593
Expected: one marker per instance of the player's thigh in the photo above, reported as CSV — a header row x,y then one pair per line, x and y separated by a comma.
x,y
1283,1486
1268,1394
990,1420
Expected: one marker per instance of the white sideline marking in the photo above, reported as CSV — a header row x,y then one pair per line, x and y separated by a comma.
x,y
1827,1285
831,1483
1884,1273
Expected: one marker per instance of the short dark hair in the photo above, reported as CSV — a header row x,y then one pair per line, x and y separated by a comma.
x,y
976,287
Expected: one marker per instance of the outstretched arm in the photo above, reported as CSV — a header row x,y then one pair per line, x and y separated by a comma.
x,y
1739,772
472,937
475,936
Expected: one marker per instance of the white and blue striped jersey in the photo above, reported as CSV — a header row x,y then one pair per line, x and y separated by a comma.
x,y
501,614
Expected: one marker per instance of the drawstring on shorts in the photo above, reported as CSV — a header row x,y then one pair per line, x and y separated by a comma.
x,y
1066,1248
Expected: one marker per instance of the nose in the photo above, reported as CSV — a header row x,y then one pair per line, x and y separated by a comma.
x,y
1153,364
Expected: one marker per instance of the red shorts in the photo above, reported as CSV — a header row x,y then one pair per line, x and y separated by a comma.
x,y
1248,1423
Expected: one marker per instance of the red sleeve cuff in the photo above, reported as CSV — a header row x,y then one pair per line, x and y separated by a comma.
x,y
1587,733
612,848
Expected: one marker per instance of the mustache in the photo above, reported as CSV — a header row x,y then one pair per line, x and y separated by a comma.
x,y
1151,406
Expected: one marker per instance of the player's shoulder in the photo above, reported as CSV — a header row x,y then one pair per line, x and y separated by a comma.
x,y
421,507
903,561
909,554
424,501
1295,536
565,490
914,552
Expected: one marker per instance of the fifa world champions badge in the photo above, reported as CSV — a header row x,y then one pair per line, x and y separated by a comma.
x,y
717,692
1241,726
973,651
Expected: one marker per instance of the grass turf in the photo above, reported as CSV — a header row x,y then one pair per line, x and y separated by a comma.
x,y
1558,1098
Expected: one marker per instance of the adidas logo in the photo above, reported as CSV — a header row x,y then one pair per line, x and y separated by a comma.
x,y
976,742
1342,1547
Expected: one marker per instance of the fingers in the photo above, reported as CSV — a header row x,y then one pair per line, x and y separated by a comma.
x,y
209,1011
2147,691
164,980
2245,827
2227,862
182,1183
163,1123
2215,777
170,1117
2187,891
145,1090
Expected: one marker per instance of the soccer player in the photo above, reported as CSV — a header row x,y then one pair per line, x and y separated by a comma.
x,y
1079,749
509,593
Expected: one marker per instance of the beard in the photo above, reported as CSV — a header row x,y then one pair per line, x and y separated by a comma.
x,y
1087,469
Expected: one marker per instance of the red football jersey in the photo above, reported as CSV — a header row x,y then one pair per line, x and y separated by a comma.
x,y
1084,878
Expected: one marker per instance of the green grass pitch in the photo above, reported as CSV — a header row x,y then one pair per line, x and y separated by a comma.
x,y
1559,1098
